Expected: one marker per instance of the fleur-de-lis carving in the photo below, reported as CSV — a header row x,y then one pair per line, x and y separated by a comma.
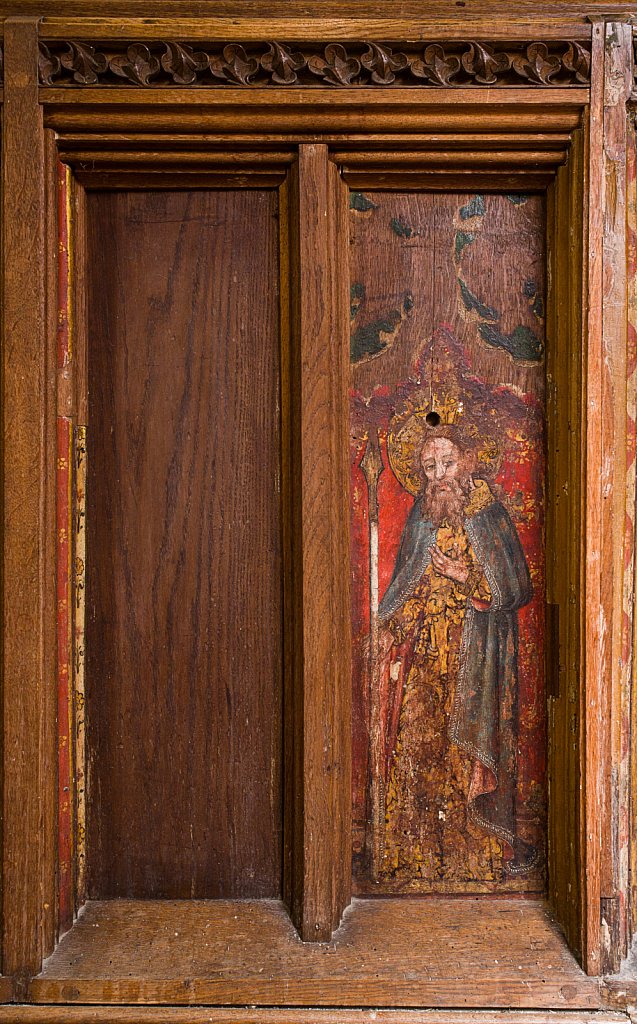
x,y
436,66
282,64
183,63
335,67
234,65
383,63
473,63
48,65
483,64
537,64
138,64
84,62
578,61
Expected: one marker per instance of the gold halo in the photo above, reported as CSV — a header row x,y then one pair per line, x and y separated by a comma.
x,y
404,444
404,441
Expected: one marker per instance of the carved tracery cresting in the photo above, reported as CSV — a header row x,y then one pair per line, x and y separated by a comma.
x,y
73,63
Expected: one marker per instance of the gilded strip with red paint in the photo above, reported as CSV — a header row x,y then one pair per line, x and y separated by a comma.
x,y
629,632
63,333
64,600
64,627
78,656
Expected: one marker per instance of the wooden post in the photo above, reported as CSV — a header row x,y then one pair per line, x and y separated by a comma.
x,y
27,571
565,541
318,831
605,798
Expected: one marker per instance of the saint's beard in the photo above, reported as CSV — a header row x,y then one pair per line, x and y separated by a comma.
x,y
446,500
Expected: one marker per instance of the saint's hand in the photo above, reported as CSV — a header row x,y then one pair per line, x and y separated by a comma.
x,y
449,567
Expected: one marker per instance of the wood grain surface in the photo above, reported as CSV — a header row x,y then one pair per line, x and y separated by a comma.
x,y
403,21
564,543
183,631
25,1014
605,375
310,116
317,877
387,952
28,522
6,990
617,501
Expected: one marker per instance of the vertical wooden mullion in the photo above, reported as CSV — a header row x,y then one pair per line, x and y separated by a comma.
x,y
628,616
595,633
605,490
49,708
338,260
318,882
632,413
618,82
26,575
65,488
576,201
562,543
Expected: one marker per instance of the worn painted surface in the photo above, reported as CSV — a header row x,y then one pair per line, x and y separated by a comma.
x,y
447,310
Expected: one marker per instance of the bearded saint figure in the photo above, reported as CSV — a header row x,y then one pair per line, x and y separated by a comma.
x,y
449,649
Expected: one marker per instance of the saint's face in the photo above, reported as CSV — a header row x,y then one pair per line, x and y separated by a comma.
x,y
441,463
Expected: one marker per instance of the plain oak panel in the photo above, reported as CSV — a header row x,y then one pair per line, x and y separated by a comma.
x,y
183,638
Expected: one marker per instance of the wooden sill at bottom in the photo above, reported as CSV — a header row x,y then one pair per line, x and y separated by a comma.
x,y
432,952
23,1014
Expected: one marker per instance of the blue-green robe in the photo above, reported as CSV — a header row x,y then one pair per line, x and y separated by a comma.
x,y
485,713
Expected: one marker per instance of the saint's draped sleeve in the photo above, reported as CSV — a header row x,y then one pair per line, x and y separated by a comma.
x,y
497,548
412,560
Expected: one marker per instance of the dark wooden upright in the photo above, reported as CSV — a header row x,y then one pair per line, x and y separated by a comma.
x,y
317,881
27,566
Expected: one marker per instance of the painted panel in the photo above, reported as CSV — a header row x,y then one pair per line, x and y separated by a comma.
x,y
448,462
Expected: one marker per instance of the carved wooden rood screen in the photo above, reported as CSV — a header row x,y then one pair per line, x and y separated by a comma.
x,y
319,405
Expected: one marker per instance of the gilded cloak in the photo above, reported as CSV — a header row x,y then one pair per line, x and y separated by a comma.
x,y
485,718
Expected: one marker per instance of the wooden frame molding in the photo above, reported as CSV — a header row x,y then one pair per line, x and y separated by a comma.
x,y
542,107
28,521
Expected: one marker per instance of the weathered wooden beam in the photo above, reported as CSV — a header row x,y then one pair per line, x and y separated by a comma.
x,y
606,360
27,567
318,863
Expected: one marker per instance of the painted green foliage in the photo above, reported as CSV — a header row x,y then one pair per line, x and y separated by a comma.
x,y
371,339
474,208
361,203
472,303
356,296
401,228
521,343
463,239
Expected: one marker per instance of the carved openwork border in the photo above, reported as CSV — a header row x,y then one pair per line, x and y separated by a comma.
x,y
561,63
